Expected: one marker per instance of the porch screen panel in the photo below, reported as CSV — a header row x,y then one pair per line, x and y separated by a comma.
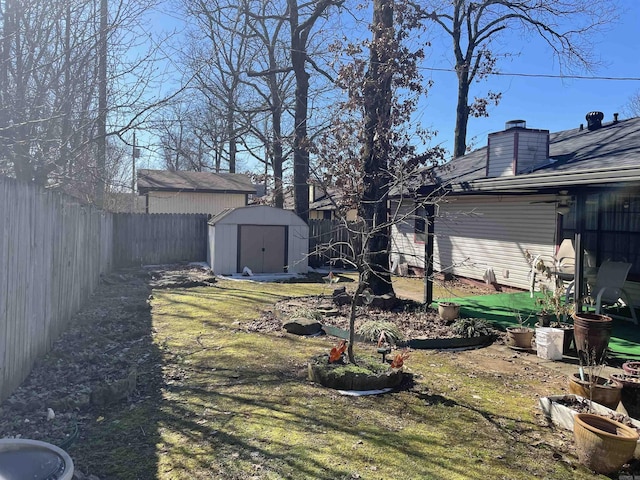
x,y
612,228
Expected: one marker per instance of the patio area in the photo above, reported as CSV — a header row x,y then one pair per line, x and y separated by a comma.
x,y
502,309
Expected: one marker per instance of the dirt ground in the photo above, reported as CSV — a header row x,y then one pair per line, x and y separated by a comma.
x,y
109,342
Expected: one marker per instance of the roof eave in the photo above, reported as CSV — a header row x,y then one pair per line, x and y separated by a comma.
x,y
535,181
144,190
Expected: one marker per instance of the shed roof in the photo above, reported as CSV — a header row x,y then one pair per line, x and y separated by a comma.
x,y
265,213
206,182
608,155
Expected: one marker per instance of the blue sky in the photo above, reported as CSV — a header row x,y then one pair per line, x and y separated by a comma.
x,y
546,103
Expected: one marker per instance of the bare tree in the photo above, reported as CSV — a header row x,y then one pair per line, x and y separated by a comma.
x,y
267,25
632,108
55,114
374,141
302,19
567,26
218,56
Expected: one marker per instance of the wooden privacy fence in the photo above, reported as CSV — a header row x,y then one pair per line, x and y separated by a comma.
x,y
152,239
52,252
331,241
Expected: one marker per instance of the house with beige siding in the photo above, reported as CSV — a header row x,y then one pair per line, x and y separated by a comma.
x,y
167,191
528,190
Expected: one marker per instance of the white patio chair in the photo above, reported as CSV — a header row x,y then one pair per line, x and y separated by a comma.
x,y
609,288
565,258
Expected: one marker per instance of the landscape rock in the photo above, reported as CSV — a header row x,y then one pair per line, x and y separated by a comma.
x,y
302,326
341,297
384,302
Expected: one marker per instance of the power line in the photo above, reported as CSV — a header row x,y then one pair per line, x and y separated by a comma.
x,y
541,75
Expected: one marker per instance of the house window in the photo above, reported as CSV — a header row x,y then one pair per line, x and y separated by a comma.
x,y
326,214
612,228
419,226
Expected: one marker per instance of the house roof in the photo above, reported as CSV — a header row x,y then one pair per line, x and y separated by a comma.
x,y
606,156
206,182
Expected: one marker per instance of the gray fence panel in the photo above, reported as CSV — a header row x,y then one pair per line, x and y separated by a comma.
x,y
52,253
159,238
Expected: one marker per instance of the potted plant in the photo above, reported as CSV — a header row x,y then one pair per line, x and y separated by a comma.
x,y
520,337
552,310
603,445
552,302
589,383
448,311
630,392
592,333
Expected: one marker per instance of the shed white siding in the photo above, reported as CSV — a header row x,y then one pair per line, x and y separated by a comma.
x,y
473,234
223,245
192,202
223,237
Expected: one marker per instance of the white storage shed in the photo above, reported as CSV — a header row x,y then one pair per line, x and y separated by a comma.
x,y
265,239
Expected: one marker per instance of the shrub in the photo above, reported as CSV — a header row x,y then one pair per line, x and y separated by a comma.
x,y
471,327
373,329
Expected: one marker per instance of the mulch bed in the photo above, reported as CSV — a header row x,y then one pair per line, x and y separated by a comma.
x,y
412,319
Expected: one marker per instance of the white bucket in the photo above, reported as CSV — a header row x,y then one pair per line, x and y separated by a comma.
x,y
549,343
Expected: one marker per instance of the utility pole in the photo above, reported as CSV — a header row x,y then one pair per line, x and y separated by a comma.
x,y
135,153
102,105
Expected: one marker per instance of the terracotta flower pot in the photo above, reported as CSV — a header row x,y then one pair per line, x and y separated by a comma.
x,y
603,445
631,368
603,392
448,311
630,393
592,333
519,337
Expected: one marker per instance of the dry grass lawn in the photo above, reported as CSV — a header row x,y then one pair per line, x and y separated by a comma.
x,y
231,404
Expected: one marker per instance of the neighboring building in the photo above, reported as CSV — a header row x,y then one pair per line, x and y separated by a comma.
x,y
193,192
323,204
528,190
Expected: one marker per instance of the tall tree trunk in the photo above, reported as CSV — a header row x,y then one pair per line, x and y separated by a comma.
x,y
373,206
300,149
276,119
462,113
232,140
277,161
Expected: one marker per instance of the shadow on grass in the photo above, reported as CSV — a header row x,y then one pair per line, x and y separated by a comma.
x,y
218,402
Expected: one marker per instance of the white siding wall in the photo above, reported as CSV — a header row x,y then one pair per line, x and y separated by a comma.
x,y
191,202
532,150
225,251
501,152
473,234
404,248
